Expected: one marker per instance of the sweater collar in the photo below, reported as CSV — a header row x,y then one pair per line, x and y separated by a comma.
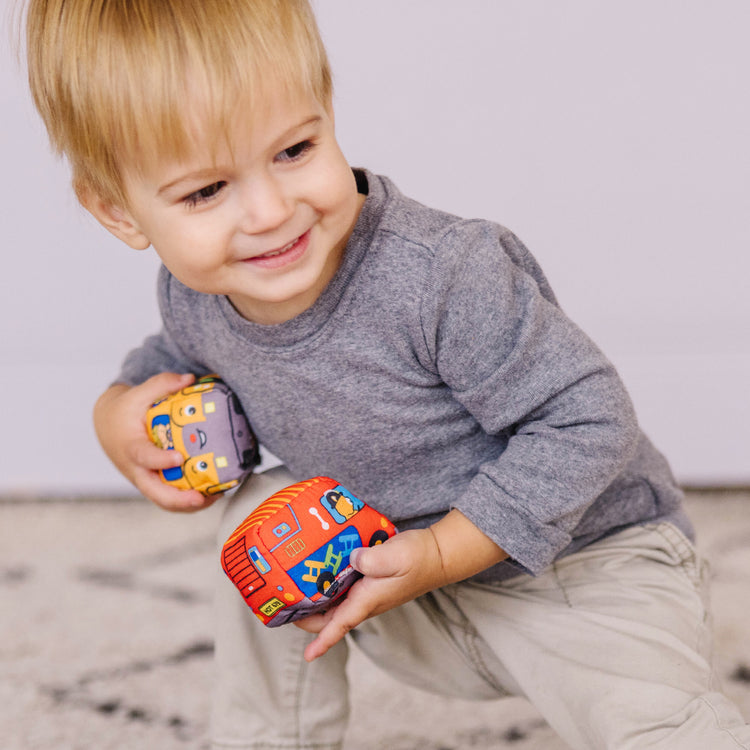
x,y
312,321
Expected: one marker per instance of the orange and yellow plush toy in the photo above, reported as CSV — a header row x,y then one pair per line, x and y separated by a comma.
x,y
205,423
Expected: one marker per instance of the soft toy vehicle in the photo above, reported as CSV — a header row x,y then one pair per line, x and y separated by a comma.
x,y
290,556
206,424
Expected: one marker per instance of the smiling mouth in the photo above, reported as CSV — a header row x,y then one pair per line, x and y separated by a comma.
x,y
284,255
275,253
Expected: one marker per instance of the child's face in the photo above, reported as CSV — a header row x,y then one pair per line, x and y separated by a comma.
x,y
266,222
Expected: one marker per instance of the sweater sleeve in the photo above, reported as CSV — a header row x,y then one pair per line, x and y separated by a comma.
x,y
524,370
160,352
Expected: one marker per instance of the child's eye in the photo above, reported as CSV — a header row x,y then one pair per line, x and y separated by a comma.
x,y
295,152
204,194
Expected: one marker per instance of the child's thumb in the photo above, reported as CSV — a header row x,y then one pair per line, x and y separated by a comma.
x,y
373,561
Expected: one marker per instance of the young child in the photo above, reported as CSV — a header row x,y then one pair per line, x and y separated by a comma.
x,y
418,358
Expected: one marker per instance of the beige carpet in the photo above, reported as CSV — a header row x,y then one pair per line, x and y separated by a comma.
x,y
105,637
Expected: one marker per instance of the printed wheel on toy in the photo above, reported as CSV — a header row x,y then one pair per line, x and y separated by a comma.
x,y
217,489
326,584
378,537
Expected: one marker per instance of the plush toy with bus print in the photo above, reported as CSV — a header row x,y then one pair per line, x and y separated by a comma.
x,y
290,556
205,423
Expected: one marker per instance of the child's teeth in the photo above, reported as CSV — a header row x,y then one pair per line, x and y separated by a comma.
x,y
279,252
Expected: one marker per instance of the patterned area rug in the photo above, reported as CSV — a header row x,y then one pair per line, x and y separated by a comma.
x,y
105,635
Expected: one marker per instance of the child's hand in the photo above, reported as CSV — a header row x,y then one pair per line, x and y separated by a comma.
x,y
120,422
401,569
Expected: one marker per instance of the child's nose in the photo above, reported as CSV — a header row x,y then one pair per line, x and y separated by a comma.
x,y
266,205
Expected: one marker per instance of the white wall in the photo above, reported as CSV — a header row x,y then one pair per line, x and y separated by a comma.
x,y
612,137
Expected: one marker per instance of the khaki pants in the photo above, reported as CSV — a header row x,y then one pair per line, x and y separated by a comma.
x,y
611,645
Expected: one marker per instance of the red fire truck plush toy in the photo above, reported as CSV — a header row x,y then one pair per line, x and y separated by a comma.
x,y
290,557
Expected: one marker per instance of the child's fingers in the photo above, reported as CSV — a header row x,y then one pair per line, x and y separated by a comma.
x,y
402,568
381,561
170,498
163,384
343,619
313,623
149,456
337,622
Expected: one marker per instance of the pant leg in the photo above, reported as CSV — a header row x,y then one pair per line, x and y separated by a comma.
x,y
430,644
613,645
265,695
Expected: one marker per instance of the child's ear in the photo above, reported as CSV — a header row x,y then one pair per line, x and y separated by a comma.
x,y
114,219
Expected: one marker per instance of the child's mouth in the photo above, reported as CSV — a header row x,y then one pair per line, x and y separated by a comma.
x,y
284,255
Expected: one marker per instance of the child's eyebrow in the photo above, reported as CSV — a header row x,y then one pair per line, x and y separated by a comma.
x,y
209,172
312,120
198,175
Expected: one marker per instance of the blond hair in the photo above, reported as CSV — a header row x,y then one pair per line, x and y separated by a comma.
x,y
112,79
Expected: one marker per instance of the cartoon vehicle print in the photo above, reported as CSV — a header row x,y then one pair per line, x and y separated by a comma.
x,y
290,557
206,424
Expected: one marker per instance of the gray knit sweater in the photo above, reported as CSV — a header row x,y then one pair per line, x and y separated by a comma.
x,y
435,371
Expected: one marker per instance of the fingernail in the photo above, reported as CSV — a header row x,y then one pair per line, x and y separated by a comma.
x,y
354,556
